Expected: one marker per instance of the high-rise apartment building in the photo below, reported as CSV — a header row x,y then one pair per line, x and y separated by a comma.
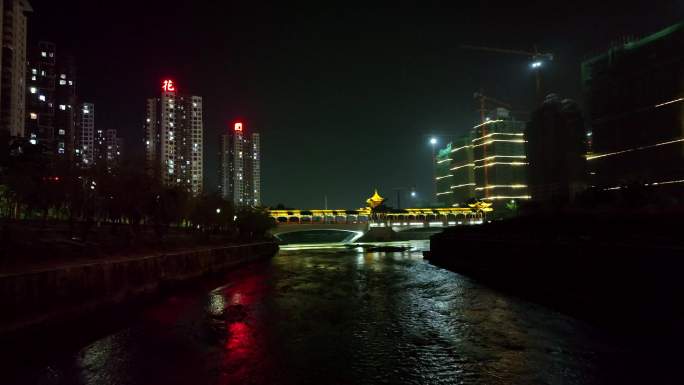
x,y
635,97
13,65
113,147
85,135
240,167
556,151
174,138
499,159
461,184
50,99
489,163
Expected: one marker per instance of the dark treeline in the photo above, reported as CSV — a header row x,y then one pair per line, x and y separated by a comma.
x,y
34,186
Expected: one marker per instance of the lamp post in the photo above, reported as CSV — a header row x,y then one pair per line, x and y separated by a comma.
x,y
433,143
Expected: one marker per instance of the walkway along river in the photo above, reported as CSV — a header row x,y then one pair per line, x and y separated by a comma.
x,y
332,316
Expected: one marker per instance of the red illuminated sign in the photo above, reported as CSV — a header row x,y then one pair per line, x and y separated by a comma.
x,y
169,85
238,127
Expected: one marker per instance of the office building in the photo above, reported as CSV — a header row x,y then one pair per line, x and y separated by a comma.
x,y
556,149
13,25
240,166
635,99
174,138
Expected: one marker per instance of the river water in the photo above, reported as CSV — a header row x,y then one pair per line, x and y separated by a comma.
x,y
331,315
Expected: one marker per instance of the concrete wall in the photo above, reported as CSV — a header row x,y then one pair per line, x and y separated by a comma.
x,y
65,292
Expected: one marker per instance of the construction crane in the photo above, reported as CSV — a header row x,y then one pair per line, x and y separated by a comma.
x,y
483,99
537,58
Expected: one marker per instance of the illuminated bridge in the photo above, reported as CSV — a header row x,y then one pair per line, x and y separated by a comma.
x,y
358,222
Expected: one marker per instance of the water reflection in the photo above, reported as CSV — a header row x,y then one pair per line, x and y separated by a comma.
x,y
339,315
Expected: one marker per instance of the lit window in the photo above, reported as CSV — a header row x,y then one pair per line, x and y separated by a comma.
x,y
34,116
34,71
33,141
33,90
33,77
62,76
62,107
43,54
42,98
71,83
62,82
42,73
61,132
52,54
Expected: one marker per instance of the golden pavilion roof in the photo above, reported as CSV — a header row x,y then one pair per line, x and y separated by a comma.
x,y
375,200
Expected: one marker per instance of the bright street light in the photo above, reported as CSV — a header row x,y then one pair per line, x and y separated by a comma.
x,y
433,141
536,64
218,211
413,194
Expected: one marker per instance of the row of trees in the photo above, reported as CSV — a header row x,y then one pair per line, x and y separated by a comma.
x,y
35,186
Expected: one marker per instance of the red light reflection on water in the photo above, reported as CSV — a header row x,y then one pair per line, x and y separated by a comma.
x,y
240,341
244,355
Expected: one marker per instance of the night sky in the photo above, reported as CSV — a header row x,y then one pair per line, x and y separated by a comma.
x,y
345,96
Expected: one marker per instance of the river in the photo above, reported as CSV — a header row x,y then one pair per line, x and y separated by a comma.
x,y
327,314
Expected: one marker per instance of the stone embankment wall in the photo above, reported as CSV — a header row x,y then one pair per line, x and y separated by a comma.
x,y
64,292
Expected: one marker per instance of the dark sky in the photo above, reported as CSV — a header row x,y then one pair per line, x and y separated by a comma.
x,y
345,95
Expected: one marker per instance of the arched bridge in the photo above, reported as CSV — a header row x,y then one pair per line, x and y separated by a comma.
x,y
358,222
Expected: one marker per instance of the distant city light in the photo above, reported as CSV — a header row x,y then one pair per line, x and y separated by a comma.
x,y
238,127
433,141
218,211
536,64
413,194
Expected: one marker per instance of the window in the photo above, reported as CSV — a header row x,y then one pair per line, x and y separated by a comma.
x,y
62,107
41,98
33,90
62,82
61,132
43,54
62,76
34,71
34,116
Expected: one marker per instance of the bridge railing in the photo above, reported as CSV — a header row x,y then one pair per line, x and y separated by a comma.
x,y
450,216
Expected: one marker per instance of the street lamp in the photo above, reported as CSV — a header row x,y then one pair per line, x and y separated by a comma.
x,y
433,143
218,211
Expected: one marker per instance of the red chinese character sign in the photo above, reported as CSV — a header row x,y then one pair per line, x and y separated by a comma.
x,y
169,85
238,127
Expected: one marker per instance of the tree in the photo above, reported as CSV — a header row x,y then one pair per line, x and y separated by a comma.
x,y
254,223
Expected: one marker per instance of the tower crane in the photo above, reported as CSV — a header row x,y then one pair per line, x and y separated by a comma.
x,y
483,99
537,59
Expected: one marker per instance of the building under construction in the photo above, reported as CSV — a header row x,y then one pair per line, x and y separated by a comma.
x,y
489,163
635,97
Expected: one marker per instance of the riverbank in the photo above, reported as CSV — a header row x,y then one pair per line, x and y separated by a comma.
x,y
56,293
620,272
